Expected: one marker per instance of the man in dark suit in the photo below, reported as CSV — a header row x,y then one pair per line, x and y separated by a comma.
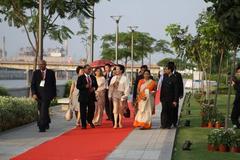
x,y
169,96
108,106
87,84
43,88
180,93
235,115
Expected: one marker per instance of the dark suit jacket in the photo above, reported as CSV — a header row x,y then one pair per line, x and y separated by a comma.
x,y
236,87
108,78
84,95
169,89
49,91
179,83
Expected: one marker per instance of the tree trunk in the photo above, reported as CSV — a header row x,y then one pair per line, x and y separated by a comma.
x,y
230,88
209,77
210,72
36,56
219,76
126,61
207,86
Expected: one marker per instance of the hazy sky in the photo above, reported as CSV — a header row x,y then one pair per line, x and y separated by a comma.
x,y
150,15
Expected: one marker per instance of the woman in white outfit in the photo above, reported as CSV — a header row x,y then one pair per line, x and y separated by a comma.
x,y
100,96
119,91
74,94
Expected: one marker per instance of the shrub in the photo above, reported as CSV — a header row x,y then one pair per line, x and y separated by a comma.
x,y
67,88
3,91
214,77
223,90
209,113
16,112
54,102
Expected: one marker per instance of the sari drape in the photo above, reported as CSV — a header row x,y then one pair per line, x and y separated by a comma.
x,y
143,117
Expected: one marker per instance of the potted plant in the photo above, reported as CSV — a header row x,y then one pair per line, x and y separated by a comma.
x,y
217,124
210,123
204,121
235,142
213,140
224,139
220,119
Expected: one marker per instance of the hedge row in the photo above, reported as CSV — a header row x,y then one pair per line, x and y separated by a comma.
x,y
3,91
16,112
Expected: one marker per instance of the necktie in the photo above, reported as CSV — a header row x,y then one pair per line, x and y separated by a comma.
x,y
89,81
42,75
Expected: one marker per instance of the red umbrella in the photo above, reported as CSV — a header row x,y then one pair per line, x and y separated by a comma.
x,y
101,63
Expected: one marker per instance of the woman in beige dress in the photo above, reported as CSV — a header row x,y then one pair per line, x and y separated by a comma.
x,y
100,96
74,94
119,91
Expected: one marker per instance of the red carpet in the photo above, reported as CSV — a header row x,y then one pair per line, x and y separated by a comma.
x,y
157,98
77,144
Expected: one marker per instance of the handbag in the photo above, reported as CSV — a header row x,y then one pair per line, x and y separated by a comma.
x,y
69,113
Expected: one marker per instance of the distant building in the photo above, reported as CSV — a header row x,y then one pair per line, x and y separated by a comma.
x,y
56,52
27,51
2,55
57,55
3,52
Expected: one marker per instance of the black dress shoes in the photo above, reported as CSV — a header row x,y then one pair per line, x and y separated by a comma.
x,y
84,127
92,125
42,130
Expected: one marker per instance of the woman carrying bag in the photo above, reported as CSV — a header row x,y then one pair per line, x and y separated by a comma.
x,y
118,92
73,96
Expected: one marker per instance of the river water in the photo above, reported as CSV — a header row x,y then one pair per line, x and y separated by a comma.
x,y
21,83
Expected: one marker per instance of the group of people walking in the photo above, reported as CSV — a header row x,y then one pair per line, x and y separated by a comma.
x,y
170,86
95,91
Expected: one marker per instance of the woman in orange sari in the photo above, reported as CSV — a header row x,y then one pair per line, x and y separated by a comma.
x,y
146,91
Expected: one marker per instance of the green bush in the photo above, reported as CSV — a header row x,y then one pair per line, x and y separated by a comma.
x,y
67,88
223,90
54,102
3,92
16,112
214,77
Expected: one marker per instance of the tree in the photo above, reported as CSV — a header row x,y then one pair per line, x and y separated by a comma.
x,y
211,39
163,46
24,13
85,35
143,44
227,13
181,41
181,64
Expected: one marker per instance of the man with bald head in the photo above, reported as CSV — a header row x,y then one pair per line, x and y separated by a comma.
x,y
43,87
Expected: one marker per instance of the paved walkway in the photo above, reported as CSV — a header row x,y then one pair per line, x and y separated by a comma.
x,y
154,144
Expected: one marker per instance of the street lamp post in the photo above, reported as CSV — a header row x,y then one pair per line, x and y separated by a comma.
x,y
132,28
92,35
117,19
40,31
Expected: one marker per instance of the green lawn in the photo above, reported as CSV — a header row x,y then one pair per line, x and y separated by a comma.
x,y
198,136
